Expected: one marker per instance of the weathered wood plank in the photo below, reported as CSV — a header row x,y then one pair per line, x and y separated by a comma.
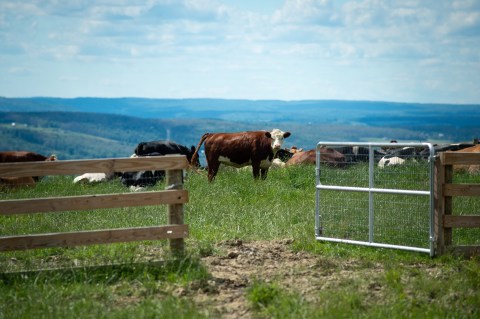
x,y
439,207
461,189
89,202
470,221
457,158
107,165
71,239
175,211
448,205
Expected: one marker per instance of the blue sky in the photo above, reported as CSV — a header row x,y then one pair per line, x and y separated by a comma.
x,y
424,51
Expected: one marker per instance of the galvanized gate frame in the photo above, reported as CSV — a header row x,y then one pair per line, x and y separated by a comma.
x,y
371,190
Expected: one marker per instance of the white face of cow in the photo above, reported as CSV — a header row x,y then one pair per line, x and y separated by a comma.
x,y
277,138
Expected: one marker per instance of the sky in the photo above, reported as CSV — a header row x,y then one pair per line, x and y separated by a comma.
x,y
423,51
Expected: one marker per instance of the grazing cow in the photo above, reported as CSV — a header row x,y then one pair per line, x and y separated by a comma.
x,y
22,156
255,148
328,156
161,147
472,169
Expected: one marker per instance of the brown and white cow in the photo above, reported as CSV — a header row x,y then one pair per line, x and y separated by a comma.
x,y
255,148
21,156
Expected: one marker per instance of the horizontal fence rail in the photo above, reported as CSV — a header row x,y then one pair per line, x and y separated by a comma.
x,y
86,202
174,196
108,165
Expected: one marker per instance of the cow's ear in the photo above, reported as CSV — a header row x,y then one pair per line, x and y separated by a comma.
x,y
267,134
286,134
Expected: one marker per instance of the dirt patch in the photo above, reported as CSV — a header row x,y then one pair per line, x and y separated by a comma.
x,y
240,263
235,265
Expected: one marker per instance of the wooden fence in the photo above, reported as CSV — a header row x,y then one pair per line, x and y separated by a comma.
x,y
174,196
445,190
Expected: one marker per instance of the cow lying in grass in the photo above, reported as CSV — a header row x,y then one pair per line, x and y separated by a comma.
x,y
22,156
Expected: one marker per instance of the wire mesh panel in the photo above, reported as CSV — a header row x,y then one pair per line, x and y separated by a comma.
x,y
376,194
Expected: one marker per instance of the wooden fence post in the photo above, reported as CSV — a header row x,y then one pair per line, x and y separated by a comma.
x,y
447,205
439,176
443,204
174,179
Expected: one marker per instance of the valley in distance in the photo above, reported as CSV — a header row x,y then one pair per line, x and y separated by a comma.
x,y
80,128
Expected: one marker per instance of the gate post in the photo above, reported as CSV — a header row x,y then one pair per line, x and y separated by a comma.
x,y
439,177
443,204
174,179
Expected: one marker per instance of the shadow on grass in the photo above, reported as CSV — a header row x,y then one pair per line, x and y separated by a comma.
x,y
176,270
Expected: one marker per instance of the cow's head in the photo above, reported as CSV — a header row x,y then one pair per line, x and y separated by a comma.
x,y
277,137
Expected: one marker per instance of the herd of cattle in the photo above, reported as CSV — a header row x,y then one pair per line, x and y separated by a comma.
x,y
261,150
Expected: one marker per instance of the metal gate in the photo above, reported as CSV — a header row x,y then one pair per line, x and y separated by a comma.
x,y
376,194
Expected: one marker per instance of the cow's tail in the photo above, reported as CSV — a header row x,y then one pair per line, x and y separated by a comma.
x,y
194,160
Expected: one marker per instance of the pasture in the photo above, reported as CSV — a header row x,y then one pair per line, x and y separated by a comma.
x,y
251,253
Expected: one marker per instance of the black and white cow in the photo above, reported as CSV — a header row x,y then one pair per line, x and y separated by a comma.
x,y
141,179
398,155
162,147
448,147
154,148
355,154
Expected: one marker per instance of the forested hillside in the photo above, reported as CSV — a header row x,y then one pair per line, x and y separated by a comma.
x,y
73,135
77,135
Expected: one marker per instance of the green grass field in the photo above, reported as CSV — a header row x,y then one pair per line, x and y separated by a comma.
x,y
139,280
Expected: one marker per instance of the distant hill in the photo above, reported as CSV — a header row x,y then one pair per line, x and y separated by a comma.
x,y
98,127
308,111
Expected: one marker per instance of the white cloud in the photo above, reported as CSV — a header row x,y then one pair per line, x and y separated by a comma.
x,y
216,47
319,12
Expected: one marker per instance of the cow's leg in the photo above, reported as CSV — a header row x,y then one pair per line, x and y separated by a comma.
x,y
256,170
264,172
213,166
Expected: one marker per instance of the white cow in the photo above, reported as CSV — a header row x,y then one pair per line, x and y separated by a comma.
x,y
390,161
93,178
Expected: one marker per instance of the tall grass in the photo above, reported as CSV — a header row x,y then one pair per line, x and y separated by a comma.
x,y
236,206
127,280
